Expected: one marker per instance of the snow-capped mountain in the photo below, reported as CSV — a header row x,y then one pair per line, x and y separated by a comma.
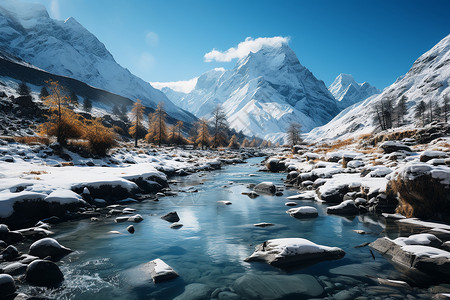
x,y
427,80
67,48
262,94
348,92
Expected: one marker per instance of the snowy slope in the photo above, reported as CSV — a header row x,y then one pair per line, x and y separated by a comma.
x,y
427,80
67,48
348,92
262,94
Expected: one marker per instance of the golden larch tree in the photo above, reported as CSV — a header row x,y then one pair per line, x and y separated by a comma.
x,y
137,116
203,136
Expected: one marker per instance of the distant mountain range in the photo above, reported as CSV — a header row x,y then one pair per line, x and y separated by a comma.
x,y
266,91
67,48
427,80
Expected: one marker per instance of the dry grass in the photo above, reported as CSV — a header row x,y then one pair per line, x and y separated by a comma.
x,y
30,140
341,144
36,172
67,164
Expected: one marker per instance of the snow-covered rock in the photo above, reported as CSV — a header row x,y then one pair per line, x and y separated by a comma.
x,y
48,247
288,251
262,94
160,271
348,92
347,207
303,212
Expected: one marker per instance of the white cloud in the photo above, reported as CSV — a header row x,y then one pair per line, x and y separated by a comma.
x,y
152,39
54,9
185,86
244,48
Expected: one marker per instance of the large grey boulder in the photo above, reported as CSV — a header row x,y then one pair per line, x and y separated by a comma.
x,y
44,273
303,212
392,146
195,291
49,247
291,251
347,207
265,187
270,287
415,253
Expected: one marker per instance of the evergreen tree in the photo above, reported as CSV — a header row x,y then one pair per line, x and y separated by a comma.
x,y
123,113
74,99
44,93
420,111
116,111
233,142
293,133
23,89
87,105
401,111
203,136
137,117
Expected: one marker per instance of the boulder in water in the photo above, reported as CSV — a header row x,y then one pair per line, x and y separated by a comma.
x,y
7,286
266,187
48,247
44,273
171,217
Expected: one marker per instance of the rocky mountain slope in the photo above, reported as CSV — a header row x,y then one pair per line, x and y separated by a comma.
x,y
348,92
262,94
427,80
67,48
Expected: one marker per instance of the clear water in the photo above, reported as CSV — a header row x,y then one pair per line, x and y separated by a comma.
x,y
211,246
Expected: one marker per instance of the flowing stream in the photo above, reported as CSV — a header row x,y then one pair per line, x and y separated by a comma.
x,y
211,246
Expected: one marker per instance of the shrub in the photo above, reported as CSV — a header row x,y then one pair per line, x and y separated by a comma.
x,y
99,137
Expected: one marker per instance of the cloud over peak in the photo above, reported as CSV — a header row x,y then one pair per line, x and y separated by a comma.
x,y
244,48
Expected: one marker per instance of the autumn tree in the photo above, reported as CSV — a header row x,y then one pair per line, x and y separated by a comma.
x,y
219,126
44,93
23,89
293,133
233,142
137,116
99,137
203,136
253,143
87,105
157,130
263,144
245,143
179,128
62,121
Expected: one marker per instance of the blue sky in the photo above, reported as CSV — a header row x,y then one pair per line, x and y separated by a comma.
x,y
376,41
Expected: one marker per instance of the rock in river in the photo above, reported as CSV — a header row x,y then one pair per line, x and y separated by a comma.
x,y
277,287
44,273
303,212
266,187
347,207
160,271
7,286
289,251
171,217
49,247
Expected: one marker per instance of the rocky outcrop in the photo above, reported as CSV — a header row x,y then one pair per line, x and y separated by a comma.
x,y
423,190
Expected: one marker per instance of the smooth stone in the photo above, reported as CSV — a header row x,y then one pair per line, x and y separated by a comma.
x,y
121,219
263,224
270,287
48,247
160,271
357,270
195,291
7,286
228,296
291,204
171,217
136,218
10,253
176,225
265,187
130,229
14,269
43,273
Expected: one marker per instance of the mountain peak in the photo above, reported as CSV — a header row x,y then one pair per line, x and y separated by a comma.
x,y
347,91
